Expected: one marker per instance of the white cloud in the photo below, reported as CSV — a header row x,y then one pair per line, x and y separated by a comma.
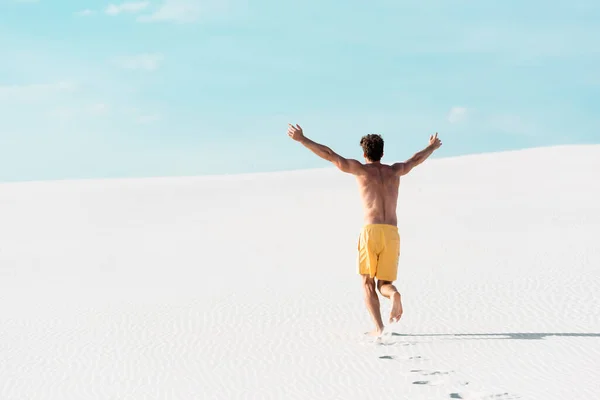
x,y
98,109
129,7
34,91
457,115
85,13
146,62
512,124
71,112
148,119
61,113
140,116
180,11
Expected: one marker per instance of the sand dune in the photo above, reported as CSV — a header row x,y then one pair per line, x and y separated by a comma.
x,y
246,287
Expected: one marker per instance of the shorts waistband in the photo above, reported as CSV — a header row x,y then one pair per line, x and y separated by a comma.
x,y
384,226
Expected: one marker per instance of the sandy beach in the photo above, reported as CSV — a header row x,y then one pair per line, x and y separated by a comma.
x,y
245,286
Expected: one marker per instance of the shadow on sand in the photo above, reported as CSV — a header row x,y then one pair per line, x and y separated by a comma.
x,y
497,336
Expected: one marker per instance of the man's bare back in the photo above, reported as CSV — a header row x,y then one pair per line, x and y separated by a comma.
x,y
379,241
378,189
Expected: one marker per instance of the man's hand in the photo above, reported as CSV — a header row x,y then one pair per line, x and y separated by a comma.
x,y
295,132
434,142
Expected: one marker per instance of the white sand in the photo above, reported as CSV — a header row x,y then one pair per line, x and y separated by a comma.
x,y
246,287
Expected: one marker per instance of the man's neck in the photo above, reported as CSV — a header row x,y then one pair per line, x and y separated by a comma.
x,y
373,162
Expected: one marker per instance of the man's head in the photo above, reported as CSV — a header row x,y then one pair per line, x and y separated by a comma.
x,y
372,146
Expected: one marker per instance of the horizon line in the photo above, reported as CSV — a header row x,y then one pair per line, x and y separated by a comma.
x,y
279,171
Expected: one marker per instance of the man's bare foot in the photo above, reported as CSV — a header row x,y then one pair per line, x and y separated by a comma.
x,y
375,333
396,312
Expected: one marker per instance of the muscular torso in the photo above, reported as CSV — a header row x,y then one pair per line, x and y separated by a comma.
x,y
378,190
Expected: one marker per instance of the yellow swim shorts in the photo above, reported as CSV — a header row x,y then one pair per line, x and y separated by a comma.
x,y
379,251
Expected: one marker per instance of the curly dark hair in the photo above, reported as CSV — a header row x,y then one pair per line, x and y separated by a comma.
x,y
372,145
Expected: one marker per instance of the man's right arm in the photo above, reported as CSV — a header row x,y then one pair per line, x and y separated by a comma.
x,y
350,166
404,168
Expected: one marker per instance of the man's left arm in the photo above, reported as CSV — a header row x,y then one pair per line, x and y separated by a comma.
x,y
344,164
403,168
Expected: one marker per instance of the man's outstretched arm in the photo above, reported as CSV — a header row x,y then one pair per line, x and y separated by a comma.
x,y
404,168
345,165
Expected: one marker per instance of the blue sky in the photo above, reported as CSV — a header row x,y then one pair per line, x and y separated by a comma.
x,y
94,89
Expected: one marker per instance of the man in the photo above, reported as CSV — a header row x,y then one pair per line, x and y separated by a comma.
x,y
379,240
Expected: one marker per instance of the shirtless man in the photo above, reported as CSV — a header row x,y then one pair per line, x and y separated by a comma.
x,y
379,240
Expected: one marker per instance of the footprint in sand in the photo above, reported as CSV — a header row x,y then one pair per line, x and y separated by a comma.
x,y
414,358
434,382
430,382
431,373
483,396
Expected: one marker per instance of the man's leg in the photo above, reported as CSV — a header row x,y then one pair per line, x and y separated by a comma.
x,y
388,272
372,302
388,290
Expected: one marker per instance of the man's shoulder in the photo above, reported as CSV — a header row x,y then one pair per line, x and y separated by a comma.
x,y
371,170
379,167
